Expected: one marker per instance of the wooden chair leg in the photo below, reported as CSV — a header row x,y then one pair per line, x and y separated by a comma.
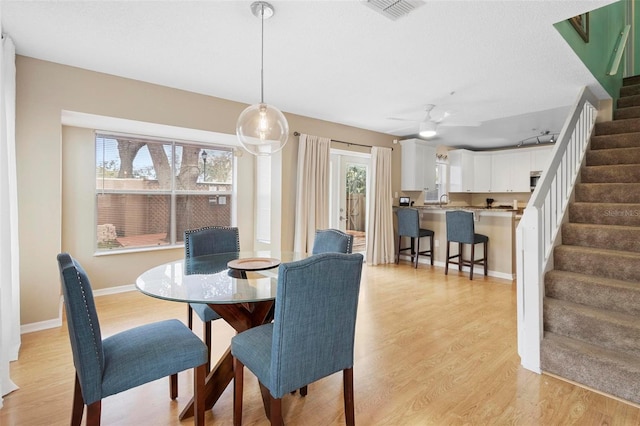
x,y
349,409
173,386
398,250
199,374
431,249
78,404
473,261
275,412
190,316
303,391
206,332
93,413
446,263
238,378
486,259
417,252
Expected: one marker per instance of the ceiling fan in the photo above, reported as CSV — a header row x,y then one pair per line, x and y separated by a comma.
x,y
428,126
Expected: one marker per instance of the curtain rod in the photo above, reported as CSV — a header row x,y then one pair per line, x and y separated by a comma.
x,y
348,143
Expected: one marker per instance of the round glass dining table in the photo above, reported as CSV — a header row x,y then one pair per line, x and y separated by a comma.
x,y
243,295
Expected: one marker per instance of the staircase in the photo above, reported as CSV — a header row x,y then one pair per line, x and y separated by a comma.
x,y
592,297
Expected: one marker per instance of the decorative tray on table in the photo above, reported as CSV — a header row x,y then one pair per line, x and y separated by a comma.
x,y
253,263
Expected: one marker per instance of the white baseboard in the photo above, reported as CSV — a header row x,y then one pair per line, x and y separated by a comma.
x,y
114,290
57,322
425,260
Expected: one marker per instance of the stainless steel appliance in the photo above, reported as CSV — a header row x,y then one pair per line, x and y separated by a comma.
x,y
533,180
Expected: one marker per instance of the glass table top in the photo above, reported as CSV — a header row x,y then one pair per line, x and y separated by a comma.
x,y
208,279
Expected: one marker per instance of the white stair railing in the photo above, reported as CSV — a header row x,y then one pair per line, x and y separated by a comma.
x,y
540,224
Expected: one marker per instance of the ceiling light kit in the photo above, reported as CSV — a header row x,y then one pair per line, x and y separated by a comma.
x,y
262,129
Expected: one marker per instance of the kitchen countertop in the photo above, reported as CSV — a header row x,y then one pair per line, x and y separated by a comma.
x,y
505,209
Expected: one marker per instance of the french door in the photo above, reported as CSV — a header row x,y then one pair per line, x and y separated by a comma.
x,y
348,200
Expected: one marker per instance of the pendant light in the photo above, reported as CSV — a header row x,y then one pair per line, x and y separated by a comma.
x,y
262,129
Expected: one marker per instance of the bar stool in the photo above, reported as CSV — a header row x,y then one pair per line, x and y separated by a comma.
x,y
461,230
409,226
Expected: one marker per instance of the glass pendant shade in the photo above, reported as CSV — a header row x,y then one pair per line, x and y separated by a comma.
x,y
262,129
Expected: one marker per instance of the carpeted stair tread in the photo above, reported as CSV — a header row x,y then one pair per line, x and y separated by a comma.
x,y
622,140
602,157
623,214
618,126
611,237
608,192
629,90
620,173
630,81
628,101
598,292
613,330
629,112
614,264
608,371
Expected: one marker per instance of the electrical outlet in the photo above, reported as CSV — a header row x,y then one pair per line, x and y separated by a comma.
x,y
396,194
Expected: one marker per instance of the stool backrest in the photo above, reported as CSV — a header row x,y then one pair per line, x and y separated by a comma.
x,y
408,222
460,226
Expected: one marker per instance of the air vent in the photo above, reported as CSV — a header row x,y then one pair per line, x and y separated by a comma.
x,y
394,9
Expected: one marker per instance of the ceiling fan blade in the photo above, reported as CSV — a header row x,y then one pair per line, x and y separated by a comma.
x,y
452,123
402,119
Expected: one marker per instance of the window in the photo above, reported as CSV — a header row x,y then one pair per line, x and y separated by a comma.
x,y
149,191
434,195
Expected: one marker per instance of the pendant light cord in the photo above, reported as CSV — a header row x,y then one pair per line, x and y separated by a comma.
x,y
262,55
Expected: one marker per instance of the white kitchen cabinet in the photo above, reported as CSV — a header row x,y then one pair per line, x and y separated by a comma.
x,y
461,170
482,162
510,171
540,158
418,165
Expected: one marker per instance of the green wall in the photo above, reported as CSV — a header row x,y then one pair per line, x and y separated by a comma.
x,y
605,25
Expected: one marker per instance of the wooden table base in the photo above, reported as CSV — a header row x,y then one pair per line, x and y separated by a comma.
x,y
241,316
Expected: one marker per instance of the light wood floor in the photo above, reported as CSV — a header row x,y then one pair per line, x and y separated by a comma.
x,y
430,350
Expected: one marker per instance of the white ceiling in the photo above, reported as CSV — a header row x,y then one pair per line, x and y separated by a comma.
x,y
499,63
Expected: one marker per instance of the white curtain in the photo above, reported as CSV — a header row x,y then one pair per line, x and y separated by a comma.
x,y
380,248
9,273
312,195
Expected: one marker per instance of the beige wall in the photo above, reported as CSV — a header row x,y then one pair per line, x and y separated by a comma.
x,y
56,176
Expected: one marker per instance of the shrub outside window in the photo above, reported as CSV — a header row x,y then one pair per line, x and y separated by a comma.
x,y
149,191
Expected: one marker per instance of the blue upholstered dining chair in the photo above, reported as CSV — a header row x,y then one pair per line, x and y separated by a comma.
x,y
461,230
200,242
332,241
312,335
127,359
409,226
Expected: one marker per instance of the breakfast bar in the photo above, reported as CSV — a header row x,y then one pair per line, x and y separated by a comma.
x,y
497,223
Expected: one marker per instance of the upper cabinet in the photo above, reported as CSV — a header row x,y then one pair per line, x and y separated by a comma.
x,y
418,165
510,171
540,158
482,166
461,170
506,170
